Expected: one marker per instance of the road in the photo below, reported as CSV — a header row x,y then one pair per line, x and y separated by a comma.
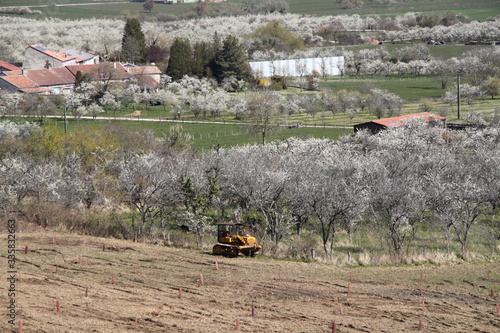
x,y
70,4
181,121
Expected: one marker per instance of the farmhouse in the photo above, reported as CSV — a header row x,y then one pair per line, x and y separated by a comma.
x,y
22,84
148,77
376,126
36,56
61,80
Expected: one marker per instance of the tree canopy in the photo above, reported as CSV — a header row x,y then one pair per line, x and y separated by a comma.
x,y
133,42
180,62
231,60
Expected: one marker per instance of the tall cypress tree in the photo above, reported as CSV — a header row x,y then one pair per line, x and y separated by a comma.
x,y
133,42
180,62
231,60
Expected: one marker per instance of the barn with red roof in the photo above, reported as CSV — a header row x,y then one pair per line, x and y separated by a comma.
x,y
376,126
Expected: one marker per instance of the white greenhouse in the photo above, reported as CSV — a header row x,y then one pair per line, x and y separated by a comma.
x,y
325,66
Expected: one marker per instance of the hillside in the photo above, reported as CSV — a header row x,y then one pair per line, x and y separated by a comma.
x,y
135,286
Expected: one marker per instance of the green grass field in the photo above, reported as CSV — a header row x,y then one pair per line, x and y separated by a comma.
x,y
206,135
476,10
409,89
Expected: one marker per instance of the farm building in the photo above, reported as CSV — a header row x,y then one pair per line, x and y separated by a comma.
x,y
36,57
325,66
376,126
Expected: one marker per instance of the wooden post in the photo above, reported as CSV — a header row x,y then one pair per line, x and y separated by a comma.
x,y
237,325
158,310
53,239
498,308
180,293
20,326
112,279
420,325
103,247
349,289
26,249
421,277
334,327
80,259
58,305
458,96
492,293
216,265
341,309
423,305
201,279
86,292
253,310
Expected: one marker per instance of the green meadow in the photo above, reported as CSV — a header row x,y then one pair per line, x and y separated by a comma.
x,y
476,10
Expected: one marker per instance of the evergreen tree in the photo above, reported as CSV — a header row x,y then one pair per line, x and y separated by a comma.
x,y
202,57
133,42
231,60
180,62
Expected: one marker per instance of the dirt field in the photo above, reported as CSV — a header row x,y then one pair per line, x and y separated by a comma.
x,y
120,286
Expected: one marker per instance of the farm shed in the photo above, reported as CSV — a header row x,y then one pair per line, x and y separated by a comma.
x,y
376,126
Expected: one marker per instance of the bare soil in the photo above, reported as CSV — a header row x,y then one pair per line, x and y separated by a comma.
x,y
121,286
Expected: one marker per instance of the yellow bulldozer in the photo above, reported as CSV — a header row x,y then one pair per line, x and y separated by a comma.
x,y
234,240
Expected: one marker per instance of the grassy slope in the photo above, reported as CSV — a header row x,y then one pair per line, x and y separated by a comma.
x,y
135,281
476,10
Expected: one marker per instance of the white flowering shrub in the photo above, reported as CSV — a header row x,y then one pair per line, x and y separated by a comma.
x,y
20,131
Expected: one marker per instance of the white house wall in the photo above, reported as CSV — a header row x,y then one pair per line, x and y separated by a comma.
x,y
298,67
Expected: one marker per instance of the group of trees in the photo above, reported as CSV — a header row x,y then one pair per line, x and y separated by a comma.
x,y
216,59
56,34
394,183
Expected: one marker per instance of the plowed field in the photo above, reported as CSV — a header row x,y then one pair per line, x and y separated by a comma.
x,y
105,285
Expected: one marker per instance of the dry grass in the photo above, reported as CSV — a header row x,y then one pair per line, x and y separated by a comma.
x,y
288,296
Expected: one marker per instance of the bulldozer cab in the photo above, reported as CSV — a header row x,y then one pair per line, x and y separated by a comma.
x,y
227,232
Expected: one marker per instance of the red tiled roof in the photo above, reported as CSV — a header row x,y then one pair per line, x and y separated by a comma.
x,y
113,70
50,77
138,70
147,82
403,120
20,81
16,72
61,56
8,67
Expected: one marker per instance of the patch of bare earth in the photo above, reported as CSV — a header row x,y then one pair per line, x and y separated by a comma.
x,y
106,285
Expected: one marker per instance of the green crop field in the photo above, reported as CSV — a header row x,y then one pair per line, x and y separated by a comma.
x,y
409,89
476,10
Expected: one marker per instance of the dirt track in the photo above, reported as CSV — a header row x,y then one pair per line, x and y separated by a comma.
x,y
129,281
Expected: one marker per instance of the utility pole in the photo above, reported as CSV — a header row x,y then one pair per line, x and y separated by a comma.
x,y
458,96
